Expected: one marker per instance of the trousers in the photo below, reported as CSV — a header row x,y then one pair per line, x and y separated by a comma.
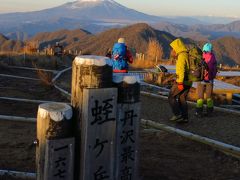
x,y
178,100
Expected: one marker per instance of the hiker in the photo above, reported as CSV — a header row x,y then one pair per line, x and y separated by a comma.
x,y
180,88
206,85
121,57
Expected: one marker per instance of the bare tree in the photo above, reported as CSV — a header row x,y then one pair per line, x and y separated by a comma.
x,y
31,47
154,50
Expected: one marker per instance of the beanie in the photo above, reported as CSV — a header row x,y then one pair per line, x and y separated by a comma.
x,y
207,47
121,40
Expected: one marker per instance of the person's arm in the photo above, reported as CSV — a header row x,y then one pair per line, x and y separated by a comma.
x,y
129,56
214,66
180,68
180,71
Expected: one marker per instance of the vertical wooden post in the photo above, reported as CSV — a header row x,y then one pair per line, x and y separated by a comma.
x,y
55,148
220,66
229,97
98,133
87,72
128,120
160,78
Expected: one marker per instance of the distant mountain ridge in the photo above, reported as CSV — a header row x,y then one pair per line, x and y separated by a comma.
x,y
64,37
95,16
201,32
137,36
227,50
72,15
8,45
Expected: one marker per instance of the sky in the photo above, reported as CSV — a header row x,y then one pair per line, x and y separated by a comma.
x,y
222,8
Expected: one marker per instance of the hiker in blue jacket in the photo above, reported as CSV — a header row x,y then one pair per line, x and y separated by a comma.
x,y
121,56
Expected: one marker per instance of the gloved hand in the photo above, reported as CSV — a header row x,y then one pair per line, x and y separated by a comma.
x,y
180,86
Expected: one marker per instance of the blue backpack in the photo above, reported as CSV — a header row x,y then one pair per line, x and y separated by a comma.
x,y
119,51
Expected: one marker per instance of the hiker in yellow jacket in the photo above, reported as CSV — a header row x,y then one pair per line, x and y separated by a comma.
x,y
178,94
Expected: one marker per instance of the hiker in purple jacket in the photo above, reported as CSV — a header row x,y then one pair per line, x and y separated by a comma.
x,y
206,86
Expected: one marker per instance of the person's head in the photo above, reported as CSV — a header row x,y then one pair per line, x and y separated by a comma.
x,y
173,54
178,46
121,40
207,47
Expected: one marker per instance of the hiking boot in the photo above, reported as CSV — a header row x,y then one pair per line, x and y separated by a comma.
x,y
199,112
175,118
209,111
182,120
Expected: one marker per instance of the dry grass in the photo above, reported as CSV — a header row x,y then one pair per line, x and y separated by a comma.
x,y
37,61
41,60
139,63
45,77
147,64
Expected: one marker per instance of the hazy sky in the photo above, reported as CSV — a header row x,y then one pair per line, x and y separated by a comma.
x,y
229,8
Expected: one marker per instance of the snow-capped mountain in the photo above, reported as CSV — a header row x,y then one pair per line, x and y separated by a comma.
x,y
92,14
107,10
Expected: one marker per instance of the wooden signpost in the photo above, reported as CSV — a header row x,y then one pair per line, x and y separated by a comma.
x,y
128,121
55,142
98,133
104,123
88,72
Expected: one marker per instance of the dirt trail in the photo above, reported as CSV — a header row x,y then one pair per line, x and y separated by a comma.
x,y
162,156
222,126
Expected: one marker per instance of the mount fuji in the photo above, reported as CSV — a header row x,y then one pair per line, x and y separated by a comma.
x,y
91,15
98,15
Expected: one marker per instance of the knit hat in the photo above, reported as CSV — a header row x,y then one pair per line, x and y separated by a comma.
x,y
121,40
207,47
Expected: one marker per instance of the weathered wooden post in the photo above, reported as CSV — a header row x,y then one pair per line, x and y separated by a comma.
x,y
93,101
128,120
229,96
160,78
98,133
220,66
55,142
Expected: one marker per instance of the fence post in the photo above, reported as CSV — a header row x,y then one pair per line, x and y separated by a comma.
x,y
220,66
87,72
160,78
55,142
128,120
229,96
